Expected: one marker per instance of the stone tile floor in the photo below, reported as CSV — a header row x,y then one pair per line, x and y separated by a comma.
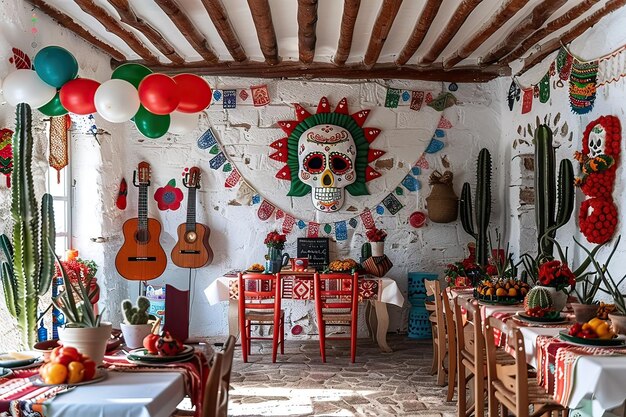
x,y
299,384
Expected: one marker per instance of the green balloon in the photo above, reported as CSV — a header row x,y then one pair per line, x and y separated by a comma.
x,y
151,125
133,73
53,107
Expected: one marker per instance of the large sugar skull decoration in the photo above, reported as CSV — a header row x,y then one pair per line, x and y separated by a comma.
x,y
330,153
598,160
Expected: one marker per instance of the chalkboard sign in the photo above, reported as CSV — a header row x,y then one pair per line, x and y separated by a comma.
x,y
316,249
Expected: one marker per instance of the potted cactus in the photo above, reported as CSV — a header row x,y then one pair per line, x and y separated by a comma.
x,y
135,326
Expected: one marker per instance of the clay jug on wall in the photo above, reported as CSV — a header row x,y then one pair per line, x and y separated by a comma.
x,y
443,203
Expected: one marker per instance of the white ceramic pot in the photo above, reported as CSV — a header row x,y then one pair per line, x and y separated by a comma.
x,y
91,341
378,248
619,323
559,298
134,334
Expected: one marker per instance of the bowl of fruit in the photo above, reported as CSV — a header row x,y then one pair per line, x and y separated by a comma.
x,y
66,365
256,269
595,332
343,265
501,291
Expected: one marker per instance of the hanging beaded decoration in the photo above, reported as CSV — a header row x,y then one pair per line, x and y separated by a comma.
x,y
563,66
6,154
582,86
58,157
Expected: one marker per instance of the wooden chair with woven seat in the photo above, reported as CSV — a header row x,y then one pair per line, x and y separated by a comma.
x,y
336,306
509,386
444,340
260,304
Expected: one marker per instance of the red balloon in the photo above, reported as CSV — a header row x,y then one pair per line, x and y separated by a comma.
x,y
77,95
159,94
195,93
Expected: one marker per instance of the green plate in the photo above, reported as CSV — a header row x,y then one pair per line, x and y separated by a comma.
x,y
592,342
142,355
553,320
498,302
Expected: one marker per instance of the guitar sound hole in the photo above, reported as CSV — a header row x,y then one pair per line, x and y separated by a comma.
x,y
142,236
191,237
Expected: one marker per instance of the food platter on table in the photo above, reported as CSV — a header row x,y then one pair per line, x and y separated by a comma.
x,y
619,341
542,320
345,266
255,269
498,302
141,356
20,360
100,375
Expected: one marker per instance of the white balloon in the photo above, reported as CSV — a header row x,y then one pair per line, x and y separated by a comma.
x,y
25,86
181,123
116,100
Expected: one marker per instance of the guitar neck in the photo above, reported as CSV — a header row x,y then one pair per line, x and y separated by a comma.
x,y
143,208
191,210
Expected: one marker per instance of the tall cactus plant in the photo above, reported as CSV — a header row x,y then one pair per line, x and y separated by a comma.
x,y
552,210
30,274
483,206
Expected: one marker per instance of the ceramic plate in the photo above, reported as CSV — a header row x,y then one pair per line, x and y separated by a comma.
x,y
142,355
172,359
13,360
617,342
5,372
100,375
38,362
552,320
499,303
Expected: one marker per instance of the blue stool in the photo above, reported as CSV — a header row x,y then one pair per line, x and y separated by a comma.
x,y
419,325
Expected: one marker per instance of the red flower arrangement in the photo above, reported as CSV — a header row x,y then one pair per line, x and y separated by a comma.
x,y
376,235
556,274
275,240
83,270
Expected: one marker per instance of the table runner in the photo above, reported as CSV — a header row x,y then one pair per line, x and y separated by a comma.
x,y
195,372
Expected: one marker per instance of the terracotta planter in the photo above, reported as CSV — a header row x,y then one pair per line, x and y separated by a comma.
x,y
584,312
91,341
134,334
619,323
559,298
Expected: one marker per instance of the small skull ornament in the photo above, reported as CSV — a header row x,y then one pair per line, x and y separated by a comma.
x,y
326,158
597,138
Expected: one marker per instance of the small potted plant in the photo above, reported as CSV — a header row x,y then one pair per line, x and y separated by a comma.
x,y
275,243
83,328
558,279
135,326
376,239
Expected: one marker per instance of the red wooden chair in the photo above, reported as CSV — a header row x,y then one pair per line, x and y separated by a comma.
x,y
260,304
336,307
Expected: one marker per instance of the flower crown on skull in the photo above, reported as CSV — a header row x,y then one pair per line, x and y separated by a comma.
x,y
329,151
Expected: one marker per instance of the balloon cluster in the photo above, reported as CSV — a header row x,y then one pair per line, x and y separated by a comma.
x,y
156,102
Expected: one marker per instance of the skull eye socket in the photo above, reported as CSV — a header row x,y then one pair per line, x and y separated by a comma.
x,y
314,163
339,163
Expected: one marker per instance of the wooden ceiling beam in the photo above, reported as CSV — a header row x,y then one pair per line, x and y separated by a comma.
x,y
129,17
553,45
452,27
307,22
558,23
386,15
430,10
112,25
329,70
262,18
187,28
78,28
535,20
506,11
219,17
350,12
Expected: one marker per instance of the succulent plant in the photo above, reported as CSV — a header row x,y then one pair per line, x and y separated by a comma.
x,y
483,206
538,297
29,266
138,314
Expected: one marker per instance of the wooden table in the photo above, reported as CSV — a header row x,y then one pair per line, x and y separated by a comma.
x,y
378,292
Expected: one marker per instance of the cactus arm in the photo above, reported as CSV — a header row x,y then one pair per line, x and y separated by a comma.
x,y
8,277
467,217
483,204
47,236
545,187
566,193
366,250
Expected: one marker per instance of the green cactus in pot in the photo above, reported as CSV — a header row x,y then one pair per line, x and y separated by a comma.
x,y
136,314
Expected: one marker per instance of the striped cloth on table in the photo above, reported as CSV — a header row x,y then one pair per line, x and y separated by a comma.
x,y
21,398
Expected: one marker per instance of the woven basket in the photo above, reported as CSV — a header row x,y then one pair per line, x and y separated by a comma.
x,y
377,265
442,203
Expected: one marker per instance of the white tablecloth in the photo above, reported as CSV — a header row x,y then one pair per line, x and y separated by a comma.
x,y
389,292
122,394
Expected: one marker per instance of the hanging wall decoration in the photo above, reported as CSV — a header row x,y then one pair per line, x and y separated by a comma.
x,y
544,88
599,158
582,86
260,95
514,94
327,154
58,157
443,101
6,154
169,196
122,193
527,100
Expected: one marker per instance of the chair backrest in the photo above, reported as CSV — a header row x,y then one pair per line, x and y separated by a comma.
x,y
210,403
433,288
226,368
259,292
513,378
469,334
337,291
449,320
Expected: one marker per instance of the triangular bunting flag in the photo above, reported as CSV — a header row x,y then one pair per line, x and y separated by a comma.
x,y
279,144
374,154
434,146
342,107
280,156
279,214
323,106
301,112
371,134
360,117
444,123
422,162
371,174
288,126
232,179
284,173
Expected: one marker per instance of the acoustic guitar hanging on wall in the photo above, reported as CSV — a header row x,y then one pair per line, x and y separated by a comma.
x,y
141,257
192,249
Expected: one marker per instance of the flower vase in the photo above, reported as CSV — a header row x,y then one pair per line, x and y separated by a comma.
x,y
559,298
277,259
378,248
